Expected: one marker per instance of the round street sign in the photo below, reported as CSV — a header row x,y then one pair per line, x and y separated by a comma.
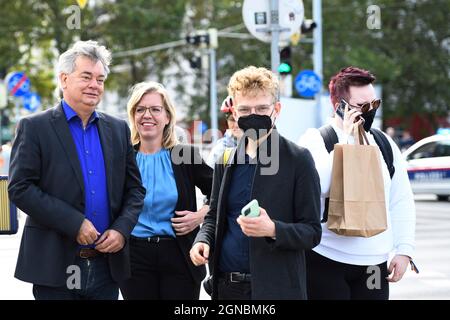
x,y
256,15
307,83
31,101
18,84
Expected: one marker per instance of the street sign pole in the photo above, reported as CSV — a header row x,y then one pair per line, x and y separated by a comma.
x,y
213,45
17,105
273,21
213,94
275,31
317,54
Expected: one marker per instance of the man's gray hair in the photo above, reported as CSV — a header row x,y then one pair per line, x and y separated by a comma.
x,y
90,49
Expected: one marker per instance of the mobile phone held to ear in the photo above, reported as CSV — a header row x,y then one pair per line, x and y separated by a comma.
x,y
251,209
341,109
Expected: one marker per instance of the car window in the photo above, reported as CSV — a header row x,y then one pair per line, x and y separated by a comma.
x,y
442,149
425,151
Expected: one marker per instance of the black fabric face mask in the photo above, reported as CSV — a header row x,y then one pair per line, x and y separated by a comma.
x,y
256,124
368,119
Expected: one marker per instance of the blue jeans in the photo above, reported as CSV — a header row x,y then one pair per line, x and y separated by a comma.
x,y
95,283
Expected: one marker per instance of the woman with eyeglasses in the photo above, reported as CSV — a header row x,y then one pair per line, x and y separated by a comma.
x,y
159,244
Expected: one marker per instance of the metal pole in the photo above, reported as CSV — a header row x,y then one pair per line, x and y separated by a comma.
x,y
317,53
213,94
275,31
17,105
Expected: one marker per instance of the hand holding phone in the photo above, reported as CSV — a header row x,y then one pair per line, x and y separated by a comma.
x,y
251,209
341,109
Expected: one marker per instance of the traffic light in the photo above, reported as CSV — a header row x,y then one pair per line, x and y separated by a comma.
x,y
197,39
285,66
307,26
199,61
195,62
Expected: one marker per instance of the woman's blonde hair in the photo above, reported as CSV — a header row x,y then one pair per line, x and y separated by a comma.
x,y
252,81
137,92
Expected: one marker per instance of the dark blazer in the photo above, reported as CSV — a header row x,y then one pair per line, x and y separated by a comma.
x,y
291,198
46,183
190,171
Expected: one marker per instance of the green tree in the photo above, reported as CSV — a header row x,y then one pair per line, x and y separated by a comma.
x,y
409,54
136,24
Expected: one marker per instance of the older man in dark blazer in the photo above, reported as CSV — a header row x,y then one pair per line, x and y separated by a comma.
x,y
74,174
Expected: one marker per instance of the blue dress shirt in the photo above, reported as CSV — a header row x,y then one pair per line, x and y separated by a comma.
x,y
90,156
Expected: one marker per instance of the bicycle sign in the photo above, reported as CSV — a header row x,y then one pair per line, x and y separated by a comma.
x,y
307,83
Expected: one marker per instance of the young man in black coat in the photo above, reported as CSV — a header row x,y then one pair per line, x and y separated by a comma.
x,y
260,257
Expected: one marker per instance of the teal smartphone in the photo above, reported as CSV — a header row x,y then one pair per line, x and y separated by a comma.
x,y
251,209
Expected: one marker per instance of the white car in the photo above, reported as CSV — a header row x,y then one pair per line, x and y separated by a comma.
x,y
429,166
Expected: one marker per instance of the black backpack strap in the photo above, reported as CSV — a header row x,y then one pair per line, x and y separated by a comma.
x,y
330,138
385,148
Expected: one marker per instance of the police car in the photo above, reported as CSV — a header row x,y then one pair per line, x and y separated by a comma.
x,y
429,165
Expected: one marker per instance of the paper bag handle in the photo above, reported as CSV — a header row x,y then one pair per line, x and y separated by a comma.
x,y
359,135
362,132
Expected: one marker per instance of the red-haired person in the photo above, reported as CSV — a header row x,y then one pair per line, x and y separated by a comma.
x,y
343,267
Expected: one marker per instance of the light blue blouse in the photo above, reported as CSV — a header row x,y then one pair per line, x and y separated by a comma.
x,y
161,197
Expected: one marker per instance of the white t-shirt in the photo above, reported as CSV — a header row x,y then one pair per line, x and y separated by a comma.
x,y
400,208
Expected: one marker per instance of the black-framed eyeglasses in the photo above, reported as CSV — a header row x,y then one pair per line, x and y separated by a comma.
x,y
154,110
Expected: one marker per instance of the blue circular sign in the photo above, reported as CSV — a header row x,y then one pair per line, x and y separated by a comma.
x,y
307,83
31,101
18,84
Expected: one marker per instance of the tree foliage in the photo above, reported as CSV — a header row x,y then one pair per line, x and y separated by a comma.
x,y
409,54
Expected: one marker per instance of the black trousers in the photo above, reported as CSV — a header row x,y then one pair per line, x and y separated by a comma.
x,y
227,290
331,280
158,272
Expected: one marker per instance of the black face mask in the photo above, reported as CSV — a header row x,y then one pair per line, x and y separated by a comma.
x,y
368,119
257,124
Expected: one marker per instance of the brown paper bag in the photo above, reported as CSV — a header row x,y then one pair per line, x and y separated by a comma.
x,y
357,202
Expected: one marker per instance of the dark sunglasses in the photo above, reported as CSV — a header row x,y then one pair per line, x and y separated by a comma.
x,y
365,107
